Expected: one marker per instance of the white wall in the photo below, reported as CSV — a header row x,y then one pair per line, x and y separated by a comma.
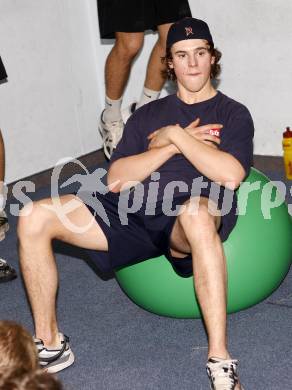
x,y
255,37
49,106
55,61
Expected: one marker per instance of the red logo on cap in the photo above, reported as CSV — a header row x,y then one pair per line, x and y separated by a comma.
x,y
189,31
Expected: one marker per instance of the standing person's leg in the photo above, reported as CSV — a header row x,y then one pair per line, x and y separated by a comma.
x,y
195,232
36,230
117,71
2,162
7,273
155,79
163,14
3,218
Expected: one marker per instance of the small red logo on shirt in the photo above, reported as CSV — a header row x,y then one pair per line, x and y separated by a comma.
x,y
215,132
189,31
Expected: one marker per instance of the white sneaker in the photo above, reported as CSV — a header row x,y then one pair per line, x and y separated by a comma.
x,y
7,273
4,227
111,133
128,111
223,374
54,360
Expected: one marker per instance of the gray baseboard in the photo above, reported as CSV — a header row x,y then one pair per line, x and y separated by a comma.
x,y
269,163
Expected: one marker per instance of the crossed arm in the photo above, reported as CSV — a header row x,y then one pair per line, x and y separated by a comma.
x,y
194,142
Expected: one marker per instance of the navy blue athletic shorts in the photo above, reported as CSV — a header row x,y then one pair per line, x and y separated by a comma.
x,y
138,15
143,237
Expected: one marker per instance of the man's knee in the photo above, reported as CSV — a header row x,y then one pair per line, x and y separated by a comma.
x,y
197,218
129,46
33,220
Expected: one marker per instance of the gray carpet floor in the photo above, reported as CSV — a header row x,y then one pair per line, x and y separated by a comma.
x,y
119,346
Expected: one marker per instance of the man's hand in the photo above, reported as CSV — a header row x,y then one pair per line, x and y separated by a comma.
x,y
202,133
162,137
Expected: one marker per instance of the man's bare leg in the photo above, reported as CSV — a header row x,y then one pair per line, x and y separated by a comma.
x,y
7,273
2,162
117,70
196,233
119,62
37,261
154,79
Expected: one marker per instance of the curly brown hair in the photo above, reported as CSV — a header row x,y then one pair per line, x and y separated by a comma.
x,y
17,348
23,380
19,366
169,73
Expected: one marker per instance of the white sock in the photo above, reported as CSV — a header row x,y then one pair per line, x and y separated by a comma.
x,y
112,110
148,95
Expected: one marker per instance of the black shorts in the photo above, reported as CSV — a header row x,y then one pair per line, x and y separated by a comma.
x,y
138,15
3,74
139,237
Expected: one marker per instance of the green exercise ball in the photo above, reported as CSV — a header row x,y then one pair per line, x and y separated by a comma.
x,y
258,253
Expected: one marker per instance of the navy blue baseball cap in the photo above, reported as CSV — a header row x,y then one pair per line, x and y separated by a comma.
x,y
188,28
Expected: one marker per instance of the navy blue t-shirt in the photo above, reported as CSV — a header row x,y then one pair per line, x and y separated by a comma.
x,y
153,225
236,136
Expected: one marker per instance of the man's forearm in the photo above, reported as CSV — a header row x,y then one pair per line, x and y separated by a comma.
x,y
138,167
215,164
